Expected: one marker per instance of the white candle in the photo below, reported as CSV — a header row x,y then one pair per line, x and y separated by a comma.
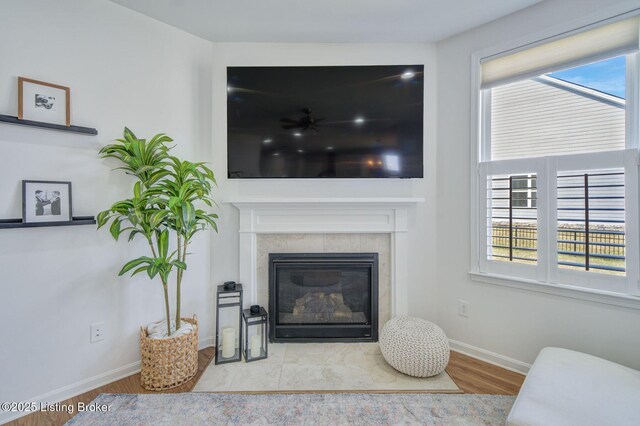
x,y
228,342
256,345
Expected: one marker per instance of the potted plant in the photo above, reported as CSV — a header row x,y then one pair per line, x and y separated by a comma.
x,y
163,211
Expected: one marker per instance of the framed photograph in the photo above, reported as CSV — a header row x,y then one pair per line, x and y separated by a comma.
x,y
44,102
46,201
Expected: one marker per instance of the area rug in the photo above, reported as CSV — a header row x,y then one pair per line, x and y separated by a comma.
x,y
297,409
328,367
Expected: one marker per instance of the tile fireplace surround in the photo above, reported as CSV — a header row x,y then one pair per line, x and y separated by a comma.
x,y
326,225
327,243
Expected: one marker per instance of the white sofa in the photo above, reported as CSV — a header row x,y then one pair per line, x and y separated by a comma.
x,y
566,387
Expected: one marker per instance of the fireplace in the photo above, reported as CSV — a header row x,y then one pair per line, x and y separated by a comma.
x,y
323,297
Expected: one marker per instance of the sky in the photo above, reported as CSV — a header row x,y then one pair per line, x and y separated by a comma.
x,y
606,76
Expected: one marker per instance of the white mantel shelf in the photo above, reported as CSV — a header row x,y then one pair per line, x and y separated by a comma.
x,y
399,201
326,215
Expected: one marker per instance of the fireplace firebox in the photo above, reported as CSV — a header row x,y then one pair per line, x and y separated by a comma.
x,y
323,297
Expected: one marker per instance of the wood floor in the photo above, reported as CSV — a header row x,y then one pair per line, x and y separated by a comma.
x,y
470,374
475,376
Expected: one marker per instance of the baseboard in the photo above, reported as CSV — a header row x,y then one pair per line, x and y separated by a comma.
x,y
490,357
75,389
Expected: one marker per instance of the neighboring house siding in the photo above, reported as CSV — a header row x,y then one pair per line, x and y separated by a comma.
x,y
544,116
534,118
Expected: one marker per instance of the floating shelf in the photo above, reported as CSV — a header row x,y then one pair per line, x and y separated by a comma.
x,y
17,223
73,129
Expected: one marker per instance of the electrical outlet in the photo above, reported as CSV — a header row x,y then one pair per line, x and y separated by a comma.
x,y
463,308
97,332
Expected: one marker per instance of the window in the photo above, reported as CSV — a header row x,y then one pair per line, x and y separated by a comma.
x,y
512,222
523,191
590,221
557,164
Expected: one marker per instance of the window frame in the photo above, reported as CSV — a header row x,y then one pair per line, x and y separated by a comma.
x,y
546,276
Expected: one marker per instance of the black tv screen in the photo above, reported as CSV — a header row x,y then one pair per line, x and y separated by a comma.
x,y
325,122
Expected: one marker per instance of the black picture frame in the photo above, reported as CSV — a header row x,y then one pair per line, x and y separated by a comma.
x,y
29,216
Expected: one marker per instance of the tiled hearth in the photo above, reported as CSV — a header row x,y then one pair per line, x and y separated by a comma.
x,y
318,367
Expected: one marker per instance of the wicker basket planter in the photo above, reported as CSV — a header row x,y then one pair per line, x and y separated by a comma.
x,y
168,363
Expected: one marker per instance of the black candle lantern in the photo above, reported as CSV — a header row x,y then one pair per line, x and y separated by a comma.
x,y
255,333
229,323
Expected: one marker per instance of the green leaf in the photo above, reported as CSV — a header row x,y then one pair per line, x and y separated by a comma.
x,y
162,239
103,218
188,213
173,201
156,200
115,229
144,169
141,269
137,189
128,134
155,176
157,217
132,264
152,271
180,265
133,233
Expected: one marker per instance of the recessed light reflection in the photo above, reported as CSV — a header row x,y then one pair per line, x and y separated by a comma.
x,y
359,120
297,134
300,151
267,141
275,154
392,162
408,75
330,148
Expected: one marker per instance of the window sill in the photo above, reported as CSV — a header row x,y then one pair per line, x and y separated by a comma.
x,y
572,292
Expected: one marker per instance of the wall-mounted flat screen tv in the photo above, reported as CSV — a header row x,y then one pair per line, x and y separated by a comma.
x,y
325,122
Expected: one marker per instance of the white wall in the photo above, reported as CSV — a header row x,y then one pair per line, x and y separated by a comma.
x,y
422,266
510,322
123,69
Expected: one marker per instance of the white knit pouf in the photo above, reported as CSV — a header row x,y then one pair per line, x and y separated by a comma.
x,y
414,346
